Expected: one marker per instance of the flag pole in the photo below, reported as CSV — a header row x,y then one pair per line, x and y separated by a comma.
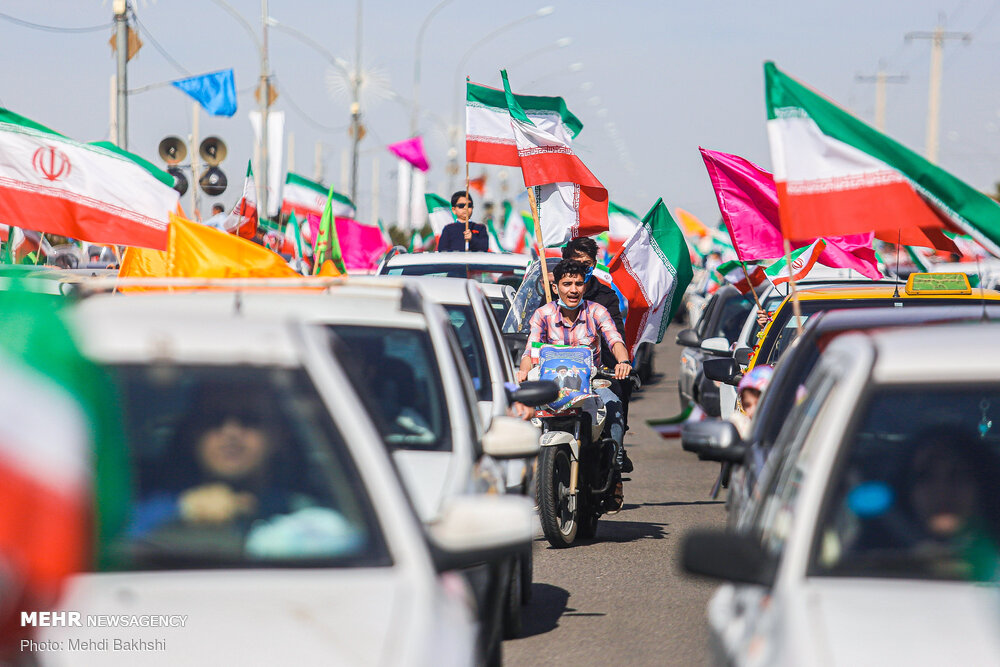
x,y
796,307
468,195
541,247
760,308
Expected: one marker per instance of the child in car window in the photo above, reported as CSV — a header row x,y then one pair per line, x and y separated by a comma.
x,y
749,390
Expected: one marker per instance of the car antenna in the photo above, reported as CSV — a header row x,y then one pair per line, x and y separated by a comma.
x,y
895,288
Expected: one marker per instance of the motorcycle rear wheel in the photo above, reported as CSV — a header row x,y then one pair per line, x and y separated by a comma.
x,y
559,523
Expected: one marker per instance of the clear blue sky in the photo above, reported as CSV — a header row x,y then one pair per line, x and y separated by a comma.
x,y
658,79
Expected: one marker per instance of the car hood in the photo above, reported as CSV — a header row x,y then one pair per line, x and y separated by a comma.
x,y
882,622
426,475
341,617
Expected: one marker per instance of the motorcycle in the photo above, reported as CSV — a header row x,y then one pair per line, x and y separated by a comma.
x,y
576,476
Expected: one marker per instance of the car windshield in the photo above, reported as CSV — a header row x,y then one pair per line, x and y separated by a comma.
x,y
528,299
235,466
481,273
917,494
396,375
784,330
733,314
464,323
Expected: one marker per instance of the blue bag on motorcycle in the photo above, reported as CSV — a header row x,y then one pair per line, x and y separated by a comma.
x,y
570,368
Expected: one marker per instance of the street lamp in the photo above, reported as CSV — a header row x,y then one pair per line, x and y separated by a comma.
x,y
453,151
572,69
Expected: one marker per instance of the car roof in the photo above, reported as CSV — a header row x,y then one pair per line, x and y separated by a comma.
x,y
444,290
367,303
882,291
964,352
141,335
495,258
868,318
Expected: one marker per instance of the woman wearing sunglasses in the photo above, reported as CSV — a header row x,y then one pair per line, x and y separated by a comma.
x,y
463,235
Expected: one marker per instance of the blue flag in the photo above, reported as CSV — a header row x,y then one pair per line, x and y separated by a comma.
x,y
216,92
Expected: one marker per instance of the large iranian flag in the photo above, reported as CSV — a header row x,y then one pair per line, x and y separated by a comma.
x,y
836,176
571,201
94,192
306,198
652,271
488,135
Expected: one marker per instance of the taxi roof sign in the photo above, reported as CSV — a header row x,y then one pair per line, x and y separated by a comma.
x,y
938,283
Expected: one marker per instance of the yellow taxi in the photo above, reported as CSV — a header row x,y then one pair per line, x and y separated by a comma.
x,y
923,289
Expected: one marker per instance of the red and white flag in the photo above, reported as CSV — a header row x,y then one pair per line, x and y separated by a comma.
x,y
242,220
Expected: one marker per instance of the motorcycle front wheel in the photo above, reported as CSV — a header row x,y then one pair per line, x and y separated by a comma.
x,y
559,523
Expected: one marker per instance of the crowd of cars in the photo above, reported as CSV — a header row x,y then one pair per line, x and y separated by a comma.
x,y
863,521
336,465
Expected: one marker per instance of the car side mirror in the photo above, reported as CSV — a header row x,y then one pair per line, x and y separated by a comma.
x,y
742,355
511,438
536,393
474,529
716,346
728,556
722,369
688,338
696,437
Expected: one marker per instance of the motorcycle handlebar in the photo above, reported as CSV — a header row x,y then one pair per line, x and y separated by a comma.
x,y
605,373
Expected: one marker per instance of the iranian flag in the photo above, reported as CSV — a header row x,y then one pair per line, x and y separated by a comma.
x,y
305,198
57,431
439,211
743,280
652,271
803,260
837,176
517,230
571,201
242,220
622,223
95,192
488,135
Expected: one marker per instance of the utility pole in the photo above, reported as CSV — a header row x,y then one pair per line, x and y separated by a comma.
x,y
120,8
356,108
265,102
880,79
937,37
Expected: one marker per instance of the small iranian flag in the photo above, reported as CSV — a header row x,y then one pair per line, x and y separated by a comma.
x,y
803,260
652,271
517,230
837,176
242,220
306,198
488,135
439,212
571,201
96,192
733,273
622,222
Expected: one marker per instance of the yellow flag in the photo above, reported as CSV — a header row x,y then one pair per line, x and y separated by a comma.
x,y
691,224
197,251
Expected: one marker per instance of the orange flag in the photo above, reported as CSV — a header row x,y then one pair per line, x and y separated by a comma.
x,y
197,251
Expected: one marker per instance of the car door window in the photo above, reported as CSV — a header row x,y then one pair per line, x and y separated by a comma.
x,y
463,321
791,461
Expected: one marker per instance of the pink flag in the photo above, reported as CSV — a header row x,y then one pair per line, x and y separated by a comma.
x,y
361,245
411,150
748,200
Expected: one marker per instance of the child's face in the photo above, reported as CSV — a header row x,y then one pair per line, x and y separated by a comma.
x,y
748,400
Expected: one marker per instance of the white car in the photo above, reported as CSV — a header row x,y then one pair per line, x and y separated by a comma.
x,y
402,358
874,540
263,522
483,267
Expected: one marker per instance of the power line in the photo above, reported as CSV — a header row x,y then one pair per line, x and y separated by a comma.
x,y
156,45
305,116
52,28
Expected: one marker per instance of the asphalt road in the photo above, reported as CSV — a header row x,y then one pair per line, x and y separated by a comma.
x,y
621,598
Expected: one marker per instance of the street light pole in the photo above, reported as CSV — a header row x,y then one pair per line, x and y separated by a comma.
x,y
458,78
265,102
121,46
356,109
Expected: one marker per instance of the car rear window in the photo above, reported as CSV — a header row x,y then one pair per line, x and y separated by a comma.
x,y
235,467
463,321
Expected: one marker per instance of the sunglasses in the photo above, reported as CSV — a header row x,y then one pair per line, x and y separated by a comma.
x,y
463,205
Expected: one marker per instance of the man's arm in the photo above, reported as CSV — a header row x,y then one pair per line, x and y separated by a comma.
x,y
535,323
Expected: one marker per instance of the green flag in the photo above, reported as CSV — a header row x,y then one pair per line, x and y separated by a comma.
x,y
327,244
